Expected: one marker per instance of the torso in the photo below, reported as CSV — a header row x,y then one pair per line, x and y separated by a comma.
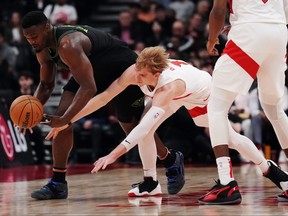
x,y
250,11
109,57
197,83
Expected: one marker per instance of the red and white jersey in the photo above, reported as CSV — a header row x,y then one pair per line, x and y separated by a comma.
x,y
263,11
198,84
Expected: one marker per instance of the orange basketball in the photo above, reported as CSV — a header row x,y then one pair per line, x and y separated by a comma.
x,y
26,111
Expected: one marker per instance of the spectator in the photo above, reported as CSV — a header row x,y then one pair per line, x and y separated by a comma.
x,y
126,29
13,33
7,53
183,9
179,40
61,12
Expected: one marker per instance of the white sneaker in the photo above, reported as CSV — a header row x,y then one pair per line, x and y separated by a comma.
x,y
144,201
148,187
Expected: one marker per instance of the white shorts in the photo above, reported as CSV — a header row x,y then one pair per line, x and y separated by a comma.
x,y
253,50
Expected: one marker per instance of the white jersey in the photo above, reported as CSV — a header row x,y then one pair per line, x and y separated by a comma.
x,y
263,11
197,82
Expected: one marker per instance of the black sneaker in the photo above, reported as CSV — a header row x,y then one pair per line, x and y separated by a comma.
x,y
52,190
276,175
175,174
222,194
148,187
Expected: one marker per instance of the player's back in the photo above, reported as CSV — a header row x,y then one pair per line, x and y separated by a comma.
x,y
255,11
196,80
109,56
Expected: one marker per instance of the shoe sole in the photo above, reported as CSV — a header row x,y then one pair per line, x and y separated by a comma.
x,y
234,202
176,191
43,197
143,195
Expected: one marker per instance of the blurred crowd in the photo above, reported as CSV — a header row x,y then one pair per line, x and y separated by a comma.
x,y
181,26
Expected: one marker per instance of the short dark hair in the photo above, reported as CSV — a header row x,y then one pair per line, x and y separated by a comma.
x,y
33,18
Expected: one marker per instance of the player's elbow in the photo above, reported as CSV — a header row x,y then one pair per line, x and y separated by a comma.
x,y
88,91
92,92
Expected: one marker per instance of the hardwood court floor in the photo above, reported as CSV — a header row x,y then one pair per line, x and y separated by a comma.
x,y
106,193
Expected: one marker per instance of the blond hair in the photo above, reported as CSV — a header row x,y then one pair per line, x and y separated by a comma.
x,y
154,58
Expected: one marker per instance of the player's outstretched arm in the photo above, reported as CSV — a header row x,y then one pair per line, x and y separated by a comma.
x,y
100,100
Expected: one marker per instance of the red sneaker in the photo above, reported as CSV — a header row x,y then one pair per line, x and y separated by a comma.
x,y
222,194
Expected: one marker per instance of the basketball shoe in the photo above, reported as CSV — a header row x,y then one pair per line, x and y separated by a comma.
x,y
175,174
146,201
222,194
148,187
52,190
277,176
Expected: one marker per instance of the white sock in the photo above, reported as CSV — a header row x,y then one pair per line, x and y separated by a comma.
x,y
151,173
225,171
263,166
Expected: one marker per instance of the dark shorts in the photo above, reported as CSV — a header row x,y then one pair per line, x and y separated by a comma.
x,y
128,104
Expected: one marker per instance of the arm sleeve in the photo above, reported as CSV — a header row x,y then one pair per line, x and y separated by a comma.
x,y
143,128
286,9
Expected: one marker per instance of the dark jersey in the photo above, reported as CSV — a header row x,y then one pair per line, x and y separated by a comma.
x,y
109,56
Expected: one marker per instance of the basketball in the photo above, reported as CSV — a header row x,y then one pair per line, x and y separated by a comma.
x,y
26,111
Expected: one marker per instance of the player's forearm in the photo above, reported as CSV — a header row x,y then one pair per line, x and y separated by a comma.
x,y
94,104
44,91
80,100
145,126
216,22
118,151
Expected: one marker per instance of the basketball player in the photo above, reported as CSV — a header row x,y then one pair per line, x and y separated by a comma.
x,y
168,85
256,48
95,59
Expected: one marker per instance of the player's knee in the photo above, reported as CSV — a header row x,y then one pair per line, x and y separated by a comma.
x,y
274,111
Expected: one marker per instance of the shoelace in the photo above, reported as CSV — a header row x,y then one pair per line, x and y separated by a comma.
x,y
136,184
217,182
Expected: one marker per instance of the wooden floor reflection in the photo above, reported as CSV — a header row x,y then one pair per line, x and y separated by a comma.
x,y
106,194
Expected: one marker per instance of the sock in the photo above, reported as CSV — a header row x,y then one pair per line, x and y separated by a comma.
x,y
59,174
169,160
263,166
225,171
151,173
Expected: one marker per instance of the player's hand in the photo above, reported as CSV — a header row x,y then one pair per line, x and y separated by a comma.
x,y
53,121
54,132
23,130
210,45
226,30
102,163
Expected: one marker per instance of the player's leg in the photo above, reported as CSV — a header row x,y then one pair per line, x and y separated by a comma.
x,y
248,149
172,160
129,106
148,154
271,87
218,106
61,147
